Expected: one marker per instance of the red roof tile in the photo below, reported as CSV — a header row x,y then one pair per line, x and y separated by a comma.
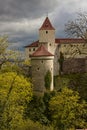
x,y
59,40
47,25
41,51
34,44
69,40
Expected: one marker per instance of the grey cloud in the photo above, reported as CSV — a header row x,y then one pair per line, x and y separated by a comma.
x,y
19,9
20,19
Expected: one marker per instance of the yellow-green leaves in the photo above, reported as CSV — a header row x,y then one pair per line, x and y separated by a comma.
x,y
15,92
67,110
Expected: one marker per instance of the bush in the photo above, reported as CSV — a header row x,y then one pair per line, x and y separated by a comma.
x,y
48,79
30,125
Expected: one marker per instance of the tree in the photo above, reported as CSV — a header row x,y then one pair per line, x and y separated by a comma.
x,y
78,29
15,92
38,114
78,82
61,60
48,79
67,110
31,125
75,52
3,47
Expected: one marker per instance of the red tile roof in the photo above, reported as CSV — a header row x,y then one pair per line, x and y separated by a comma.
x,y
47,25
41,51
69,40
34,44
59,40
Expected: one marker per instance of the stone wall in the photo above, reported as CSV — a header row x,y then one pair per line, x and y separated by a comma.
x,y
47,36
75,65
40,66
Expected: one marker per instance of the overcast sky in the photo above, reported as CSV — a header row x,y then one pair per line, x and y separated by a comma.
x,y
21,19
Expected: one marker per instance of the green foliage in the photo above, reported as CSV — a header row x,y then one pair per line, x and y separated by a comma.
x,y
48,80
60,82
46,98
35,110
3,44
15,91
61,60
67,110
30,125
78,82
3,47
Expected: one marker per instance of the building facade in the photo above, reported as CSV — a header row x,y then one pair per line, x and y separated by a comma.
x,y
45,55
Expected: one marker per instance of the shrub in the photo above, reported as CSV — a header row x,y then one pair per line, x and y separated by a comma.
x,y
48,79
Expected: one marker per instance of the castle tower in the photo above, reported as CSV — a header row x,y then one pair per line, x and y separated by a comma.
x,y
47,32
41,61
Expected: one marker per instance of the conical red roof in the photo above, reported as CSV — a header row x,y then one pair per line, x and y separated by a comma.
x,y
41,51
47,25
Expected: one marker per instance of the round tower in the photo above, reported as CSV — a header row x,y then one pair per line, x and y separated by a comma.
x,y
41,61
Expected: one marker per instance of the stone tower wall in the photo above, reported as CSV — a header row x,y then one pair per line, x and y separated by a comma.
x,y
40,66
47,36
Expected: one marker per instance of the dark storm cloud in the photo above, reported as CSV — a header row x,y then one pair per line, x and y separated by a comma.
x,y
21,19
19,9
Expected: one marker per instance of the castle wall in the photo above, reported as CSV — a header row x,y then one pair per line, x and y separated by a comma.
x,y
73,50
56,63
75,65
40,66
29,51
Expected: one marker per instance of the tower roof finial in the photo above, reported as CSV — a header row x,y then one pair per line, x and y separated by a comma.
x,y
47,14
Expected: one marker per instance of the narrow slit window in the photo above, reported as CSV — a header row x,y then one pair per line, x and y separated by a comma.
x,y
38,68
46,32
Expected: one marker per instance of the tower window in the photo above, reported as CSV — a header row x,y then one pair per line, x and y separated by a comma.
x,y
38,68
46,32
71,45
